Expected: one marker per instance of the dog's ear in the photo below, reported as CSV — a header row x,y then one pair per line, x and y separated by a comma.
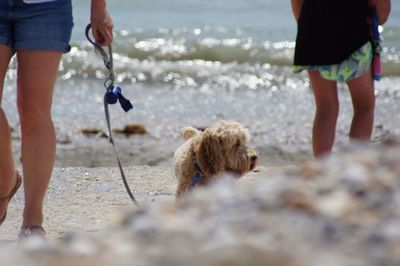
x,y
189,132
209,154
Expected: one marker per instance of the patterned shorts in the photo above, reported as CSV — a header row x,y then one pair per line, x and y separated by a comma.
x,y
354,66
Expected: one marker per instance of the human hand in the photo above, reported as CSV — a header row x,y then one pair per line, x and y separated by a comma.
x,y
102,24
382,10
296,8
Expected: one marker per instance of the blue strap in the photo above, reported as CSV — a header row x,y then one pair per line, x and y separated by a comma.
x,y
375,26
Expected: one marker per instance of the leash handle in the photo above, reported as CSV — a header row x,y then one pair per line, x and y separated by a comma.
x,y
109,84
107,59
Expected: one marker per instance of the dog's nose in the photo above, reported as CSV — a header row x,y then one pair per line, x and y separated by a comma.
x,y
253,158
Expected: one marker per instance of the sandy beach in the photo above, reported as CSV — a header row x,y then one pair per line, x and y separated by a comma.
x,y
91,199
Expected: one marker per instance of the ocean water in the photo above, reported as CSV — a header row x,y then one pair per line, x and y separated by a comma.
x,y
192,62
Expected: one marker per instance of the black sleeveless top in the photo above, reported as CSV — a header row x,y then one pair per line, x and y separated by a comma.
x,y
329,31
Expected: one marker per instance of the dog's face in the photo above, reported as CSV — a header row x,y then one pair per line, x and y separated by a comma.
x,y
224,147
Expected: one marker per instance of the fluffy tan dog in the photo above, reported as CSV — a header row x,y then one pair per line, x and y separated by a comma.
x,y
223,147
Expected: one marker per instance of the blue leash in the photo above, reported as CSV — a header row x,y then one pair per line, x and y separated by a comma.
x,y
112,95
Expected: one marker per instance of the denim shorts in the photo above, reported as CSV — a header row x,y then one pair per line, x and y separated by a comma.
x,y
27,25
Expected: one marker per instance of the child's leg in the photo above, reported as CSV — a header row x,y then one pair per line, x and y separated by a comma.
x,y
363,98
327,110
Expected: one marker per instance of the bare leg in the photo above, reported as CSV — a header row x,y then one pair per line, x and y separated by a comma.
x,y
37,71
327,110
363,98
7,168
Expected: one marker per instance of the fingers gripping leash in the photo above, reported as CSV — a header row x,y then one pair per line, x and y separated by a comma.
x,y
112,95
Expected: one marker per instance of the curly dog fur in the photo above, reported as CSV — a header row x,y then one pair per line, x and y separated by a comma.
x,y
223,147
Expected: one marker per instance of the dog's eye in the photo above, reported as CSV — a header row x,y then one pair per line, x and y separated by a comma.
x,y
237,143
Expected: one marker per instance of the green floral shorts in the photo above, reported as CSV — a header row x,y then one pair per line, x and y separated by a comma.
x,y
354,66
